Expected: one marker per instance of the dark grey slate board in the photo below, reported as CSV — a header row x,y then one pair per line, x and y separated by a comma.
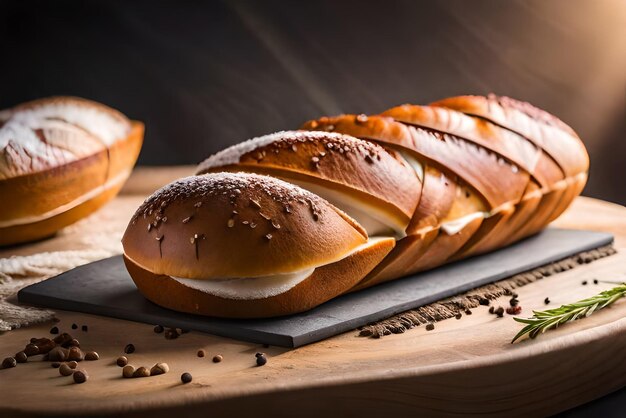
x,y
105,288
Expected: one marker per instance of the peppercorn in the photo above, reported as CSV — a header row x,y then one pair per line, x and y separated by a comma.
x,y
430,326
514,310
122,361
128,371
499,312
141,372
159,368
218,358
514,302
158,329
261,360
9,362
458,315
185,377
54,330
21,357
65,370
129,349
74,326
201,353
80,376
546,301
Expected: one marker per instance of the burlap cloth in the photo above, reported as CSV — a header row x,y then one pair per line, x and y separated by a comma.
x,y
93,238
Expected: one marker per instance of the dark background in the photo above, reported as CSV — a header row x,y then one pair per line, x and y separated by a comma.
x,y
204,75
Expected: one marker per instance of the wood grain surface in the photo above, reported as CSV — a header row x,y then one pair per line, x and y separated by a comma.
x,y
465,366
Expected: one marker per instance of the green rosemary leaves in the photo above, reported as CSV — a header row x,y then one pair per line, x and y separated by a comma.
x,y
542,321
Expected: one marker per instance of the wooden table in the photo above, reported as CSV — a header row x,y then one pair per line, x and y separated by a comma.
x,y
462,367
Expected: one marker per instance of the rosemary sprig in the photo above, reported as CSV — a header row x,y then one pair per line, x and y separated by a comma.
x,y
542,321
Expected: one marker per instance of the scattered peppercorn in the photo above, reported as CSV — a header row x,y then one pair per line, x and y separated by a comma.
x,y
201,353
91,356
584,282
65,370
595,281
159,368
546,301
261,360
74,326
468,312
31,349
158,329
499,312
218,358
514,302
54,330
484,301
21,357
430,326
122,361
75,354
9,362
514,310
458,315
171,334
128,371
185,377
80,376
85,328
492,309
74,343
129,349
141,372
72,364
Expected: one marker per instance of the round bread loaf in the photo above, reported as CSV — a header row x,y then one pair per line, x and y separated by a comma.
x,y
60,159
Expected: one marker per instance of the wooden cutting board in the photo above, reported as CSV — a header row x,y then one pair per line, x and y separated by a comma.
x,y
464,366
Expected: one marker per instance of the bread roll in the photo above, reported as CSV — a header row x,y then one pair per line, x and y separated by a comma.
x,y
244,245
397,193
60,159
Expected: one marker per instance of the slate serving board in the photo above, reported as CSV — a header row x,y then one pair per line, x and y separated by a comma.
x,y
105,288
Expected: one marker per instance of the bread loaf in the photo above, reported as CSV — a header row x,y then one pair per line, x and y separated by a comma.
x,y
370,198
61,159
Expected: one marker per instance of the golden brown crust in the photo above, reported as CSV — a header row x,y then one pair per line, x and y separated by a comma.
x,y
364,170
237,225
325,283
99,177
545,130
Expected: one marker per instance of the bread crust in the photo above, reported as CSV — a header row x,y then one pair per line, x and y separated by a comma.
x,y
237,225
99,176
363,170
325,283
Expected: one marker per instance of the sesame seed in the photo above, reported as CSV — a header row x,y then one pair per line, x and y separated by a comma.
x,y
230,223
268,237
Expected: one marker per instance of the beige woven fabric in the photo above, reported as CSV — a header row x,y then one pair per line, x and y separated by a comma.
x,y
91,239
